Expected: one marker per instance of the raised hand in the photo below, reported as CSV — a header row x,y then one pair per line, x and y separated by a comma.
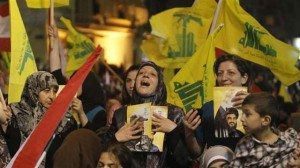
x,y
239,98
77,106
191,120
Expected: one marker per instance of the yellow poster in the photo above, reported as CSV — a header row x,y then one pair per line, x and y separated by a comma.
x,y
227,118
149,141
158,137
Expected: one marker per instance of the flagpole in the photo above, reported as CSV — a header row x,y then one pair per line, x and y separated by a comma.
x,y
216,15
51,22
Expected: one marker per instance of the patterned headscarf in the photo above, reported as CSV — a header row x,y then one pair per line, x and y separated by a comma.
x,y
29,110
160,95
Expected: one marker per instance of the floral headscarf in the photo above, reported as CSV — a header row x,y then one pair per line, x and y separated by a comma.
x,y
29,110
160,95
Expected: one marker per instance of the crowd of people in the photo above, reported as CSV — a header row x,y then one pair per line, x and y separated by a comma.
x,y
103,137
96,132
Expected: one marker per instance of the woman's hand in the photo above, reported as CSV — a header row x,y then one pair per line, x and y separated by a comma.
x,y
5,114
2,116
238,99
192,120
52,31
162,124
77,106
129,130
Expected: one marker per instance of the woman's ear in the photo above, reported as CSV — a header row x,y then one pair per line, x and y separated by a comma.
x,y
244,79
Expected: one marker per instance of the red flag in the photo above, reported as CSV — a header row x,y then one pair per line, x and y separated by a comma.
x,y
33,148
4,28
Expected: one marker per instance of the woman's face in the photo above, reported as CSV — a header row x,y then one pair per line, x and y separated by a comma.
x,y
108,160
229,75
129,83
146,81
47,96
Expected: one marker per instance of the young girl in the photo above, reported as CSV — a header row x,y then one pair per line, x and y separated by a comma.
x,y
115,155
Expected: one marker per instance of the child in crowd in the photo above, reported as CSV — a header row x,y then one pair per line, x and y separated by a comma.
x,y
115,155
264,146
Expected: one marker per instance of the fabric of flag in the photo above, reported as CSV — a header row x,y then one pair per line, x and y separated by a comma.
x,y
178,33
46,3
79,48
283,92
193,85
4,27
242,35
33,148
22,60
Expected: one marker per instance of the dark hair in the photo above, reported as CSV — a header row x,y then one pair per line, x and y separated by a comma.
x,y
242,65
121,152
125,95
92,92
232,110
264,104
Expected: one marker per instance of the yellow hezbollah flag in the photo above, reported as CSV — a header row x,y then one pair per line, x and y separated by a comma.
x,y
193,85
178,33
22,60
244,36
46,3
80,48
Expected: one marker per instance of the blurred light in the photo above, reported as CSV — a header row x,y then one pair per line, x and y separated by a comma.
x,y
117,43
296,42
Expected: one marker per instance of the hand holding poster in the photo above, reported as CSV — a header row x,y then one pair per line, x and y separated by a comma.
x,y
227,117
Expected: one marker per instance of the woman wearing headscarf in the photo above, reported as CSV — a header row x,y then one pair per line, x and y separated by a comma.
x,y
80,149
113,104
149,87
92,97
38,94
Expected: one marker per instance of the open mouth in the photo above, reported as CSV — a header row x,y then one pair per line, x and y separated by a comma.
x,y
145,83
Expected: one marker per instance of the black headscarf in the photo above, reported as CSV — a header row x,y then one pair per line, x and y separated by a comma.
x,y
92,93
160,95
